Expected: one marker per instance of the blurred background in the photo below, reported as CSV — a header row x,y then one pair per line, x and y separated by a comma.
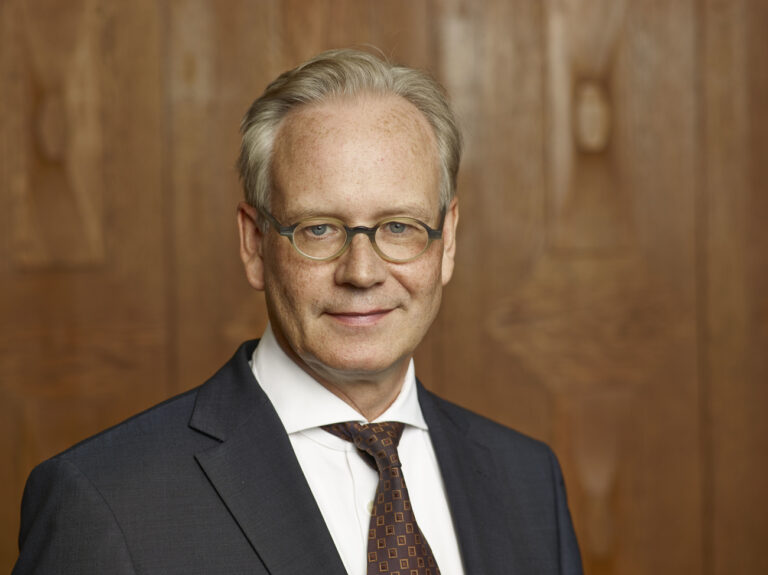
x,y
611,292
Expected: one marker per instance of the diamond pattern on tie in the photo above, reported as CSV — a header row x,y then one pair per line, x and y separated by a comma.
x,y
396,545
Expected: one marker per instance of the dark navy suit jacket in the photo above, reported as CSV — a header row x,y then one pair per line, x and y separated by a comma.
x,y
207,483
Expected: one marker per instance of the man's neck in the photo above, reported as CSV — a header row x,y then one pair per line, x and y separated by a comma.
x,y
368,393
368,399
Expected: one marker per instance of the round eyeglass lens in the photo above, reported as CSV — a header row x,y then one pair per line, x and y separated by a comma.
x,y
319,238
401,238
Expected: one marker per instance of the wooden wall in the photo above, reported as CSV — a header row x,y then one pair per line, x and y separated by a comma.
x,y
611,295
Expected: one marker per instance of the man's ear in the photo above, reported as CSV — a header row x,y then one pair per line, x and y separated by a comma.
x,y
251,239
449,239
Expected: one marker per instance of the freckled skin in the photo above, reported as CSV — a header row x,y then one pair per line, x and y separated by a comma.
x,y
359,160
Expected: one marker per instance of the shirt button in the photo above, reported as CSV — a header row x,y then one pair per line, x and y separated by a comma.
x,y
370,507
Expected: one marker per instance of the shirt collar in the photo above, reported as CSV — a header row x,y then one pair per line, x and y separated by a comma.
x,y
302,403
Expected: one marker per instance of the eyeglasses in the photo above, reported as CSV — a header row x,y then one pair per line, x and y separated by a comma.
x,y
398,239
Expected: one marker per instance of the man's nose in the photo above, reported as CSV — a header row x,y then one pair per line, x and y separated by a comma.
x,y
361,266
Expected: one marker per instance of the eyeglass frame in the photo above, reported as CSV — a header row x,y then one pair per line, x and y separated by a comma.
x,y
287,231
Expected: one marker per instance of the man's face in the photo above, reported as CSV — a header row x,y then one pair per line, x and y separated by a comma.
x,y
357,316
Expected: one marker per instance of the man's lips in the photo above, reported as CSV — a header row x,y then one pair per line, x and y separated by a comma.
x,y
359,318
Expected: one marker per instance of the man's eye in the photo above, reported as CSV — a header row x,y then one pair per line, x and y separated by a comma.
x,y
397,227
319,231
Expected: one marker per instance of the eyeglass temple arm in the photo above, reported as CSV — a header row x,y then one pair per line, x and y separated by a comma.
x,y
437,233
282,230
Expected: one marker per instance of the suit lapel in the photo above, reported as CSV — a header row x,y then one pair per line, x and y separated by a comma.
x,y
474,493
256,474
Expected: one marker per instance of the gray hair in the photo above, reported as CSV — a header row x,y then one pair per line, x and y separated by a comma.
x,y
337,73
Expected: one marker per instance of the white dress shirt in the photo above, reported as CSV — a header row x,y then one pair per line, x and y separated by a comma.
x,y
342,482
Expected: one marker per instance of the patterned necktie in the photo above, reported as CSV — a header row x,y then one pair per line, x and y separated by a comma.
x,y
395,543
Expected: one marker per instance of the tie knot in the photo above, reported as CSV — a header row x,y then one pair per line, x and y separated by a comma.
x,y
379,440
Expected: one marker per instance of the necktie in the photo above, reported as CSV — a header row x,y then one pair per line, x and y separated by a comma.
x,y
395,543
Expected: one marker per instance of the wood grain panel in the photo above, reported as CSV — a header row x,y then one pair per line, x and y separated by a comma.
x,y
404,31
311,27
654,88
55,172
735,284
82,305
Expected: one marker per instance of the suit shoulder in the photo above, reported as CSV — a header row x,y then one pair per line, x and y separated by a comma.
x,y
149,440
163,438
492,433
157,418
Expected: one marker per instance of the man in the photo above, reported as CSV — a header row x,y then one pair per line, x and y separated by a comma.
x,y
317,451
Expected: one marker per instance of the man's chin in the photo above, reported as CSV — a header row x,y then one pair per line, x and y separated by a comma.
x,y
357,367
